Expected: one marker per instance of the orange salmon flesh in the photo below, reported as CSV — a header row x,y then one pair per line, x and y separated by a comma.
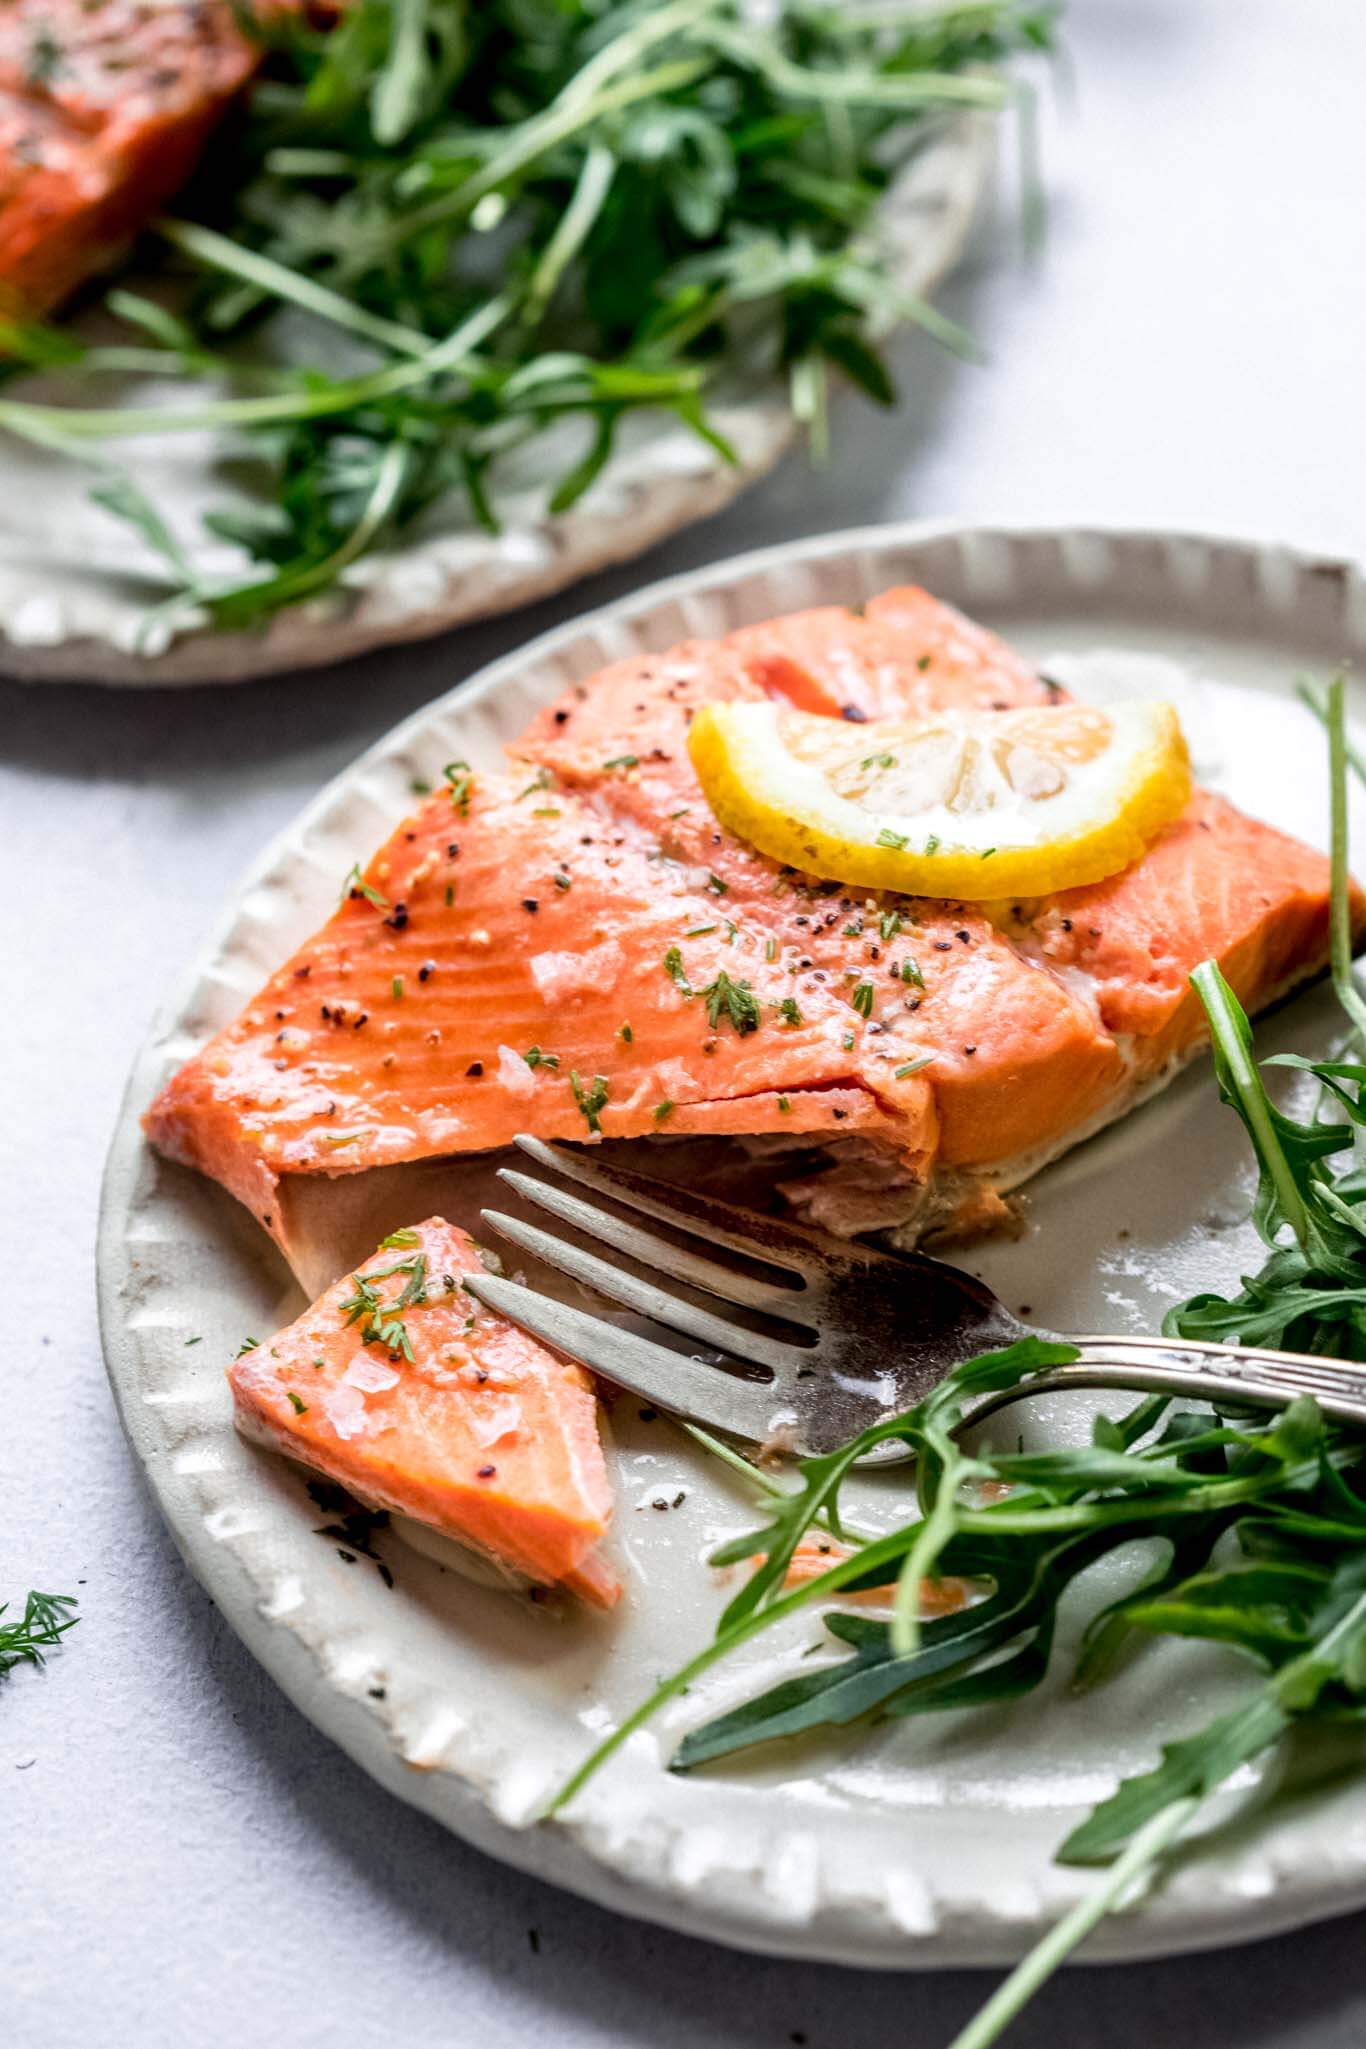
x,y
573,947
439,1409
105,106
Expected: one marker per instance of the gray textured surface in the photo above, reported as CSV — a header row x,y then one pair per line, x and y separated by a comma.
x,y
183,1859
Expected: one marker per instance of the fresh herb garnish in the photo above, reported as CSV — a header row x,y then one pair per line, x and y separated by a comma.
x,y
896,840
534,1058
735,1000
460,778
862,998
43,1624
356,885
673,968
592,1100
382,1323
888,925
878,761
623,761
789,1011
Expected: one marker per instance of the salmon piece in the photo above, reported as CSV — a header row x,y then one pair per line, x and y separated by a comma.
x,y
442,1410
903,656
501,970
1215,883
104,110
817,1554
582,950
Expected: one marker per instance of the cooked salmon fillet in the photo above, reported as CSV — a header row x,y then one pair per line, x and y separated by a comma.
x,y
577,948
105,106
409,1392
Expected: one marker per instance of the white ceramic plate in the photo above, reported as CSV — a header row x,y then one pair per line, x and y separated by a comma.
x,y
76,585
923,1843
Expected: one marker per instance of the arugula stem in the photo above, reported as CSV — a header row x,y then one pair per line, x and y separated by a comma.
x,y
854,88
626,49
594,183
933,1532
123,423
1247,1084
558,124
847,1533
207,246
1134,1864
382,500
1308,697
879,1552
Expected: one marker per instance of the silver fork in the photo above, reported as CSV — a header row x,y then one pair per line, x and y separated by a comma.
x,y
825,1336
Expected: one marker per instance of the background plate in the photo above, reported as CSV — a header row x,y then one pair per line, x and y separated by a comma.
x,y
75,584
924,1844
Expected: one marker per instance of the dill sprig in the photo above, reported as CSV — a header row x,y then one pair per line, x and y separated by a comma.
x,y
382,1323
664,191
43,1624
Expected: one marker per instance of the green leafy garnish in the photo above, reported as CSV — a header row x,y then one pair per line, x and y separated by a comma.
x,y
663,193
460,779
735,1000
356,885
43,1624
591,1101
382,1323
674,969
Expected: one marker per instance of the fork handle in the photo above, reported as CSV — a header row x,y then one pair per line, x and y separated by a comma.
x,y
1245,1373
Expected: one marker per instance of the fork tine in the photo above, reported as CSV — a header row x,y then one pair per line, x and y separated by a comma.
x,y
718,1223
707,1394
726,1281
644,1297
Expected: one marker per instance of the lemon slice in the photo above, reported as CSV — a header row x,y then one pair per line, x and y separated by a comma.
x,y
971,804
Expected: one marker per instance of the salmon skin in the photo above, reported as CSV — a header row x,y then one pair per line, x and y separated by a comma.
x,y
105,106
409,1392
577,949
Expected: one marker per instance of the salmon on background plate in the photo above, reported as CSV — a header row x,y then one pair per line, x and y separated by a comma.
x,y
105,106
575,947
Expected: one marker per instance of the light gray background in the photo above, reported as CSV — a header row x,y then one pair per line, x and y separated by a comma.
x,y
182,1859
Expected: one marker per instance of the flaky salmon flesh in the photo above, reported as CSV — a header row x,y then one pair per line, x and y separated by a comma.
x,y
572,946
398,1384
